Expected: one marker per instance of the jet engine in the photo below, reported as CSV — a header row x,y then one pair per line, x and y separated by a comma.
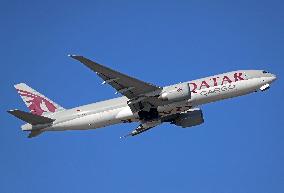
x,y
174,93
189,119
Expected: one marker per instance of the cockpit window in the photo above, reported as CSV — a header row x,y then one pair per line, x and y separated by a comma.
x,y
264,72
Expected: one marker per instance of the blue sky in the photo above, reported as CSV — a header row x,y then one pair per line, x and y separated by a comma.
x,y
238,149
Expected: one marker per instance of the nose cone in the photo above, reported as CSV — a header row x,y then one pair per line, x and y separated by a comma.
x,y
273,77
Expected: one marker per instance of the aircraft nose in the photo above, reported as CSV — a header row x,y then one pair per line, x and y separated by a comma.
x,y
273,76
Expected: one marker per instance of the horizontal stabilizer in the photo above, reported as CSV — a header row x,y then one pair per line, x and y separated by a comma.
x,y
30,118
34,133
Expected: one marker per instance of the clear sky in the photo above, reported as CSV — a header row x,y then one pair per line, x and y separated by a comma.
x,y
238,149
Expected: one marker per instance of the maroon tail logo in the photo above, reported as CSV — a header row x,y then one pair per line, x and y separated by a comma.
x,y
37,103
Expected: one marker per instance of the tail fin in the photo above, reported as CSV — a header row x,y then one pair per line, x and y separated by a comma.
x,y
36,102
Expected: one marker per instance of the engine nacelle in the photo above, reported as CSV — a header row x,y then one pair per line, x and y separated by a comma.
x,y
177,92
189,119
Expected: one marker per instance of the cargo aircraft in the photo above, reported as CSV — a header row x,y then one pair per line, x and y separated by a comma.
x,y
142,102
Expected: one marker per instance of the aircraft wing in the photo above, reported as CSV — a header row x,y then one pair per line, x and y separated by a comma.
x,y
124,84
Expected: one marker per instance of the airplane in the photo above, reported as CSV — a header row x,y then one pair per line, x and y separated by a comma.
x,y
142,102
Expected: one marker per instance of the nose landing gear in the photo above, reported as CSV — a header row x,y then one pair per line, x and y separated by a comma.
x,y
264,87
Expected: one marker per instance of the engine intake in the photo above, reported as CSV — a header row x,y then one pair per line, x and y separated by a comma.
x,y
176,93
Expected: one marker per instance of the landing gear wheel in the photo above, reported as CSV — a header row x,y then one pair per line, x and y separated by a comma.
x,y
148,115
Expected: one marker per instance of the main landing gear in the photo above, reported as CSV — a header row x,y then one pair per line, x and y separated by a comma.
x,y
148,115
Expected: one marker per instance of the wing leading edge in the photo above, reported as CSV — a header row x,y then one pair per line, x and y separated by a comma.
x,y
123,84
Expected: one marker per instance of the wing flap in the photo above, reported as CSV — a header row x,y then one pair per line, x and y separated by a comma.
x,y
144,126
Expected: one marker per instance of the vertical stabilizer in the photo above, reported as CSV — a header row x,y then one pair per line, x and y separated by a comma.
x,y
36,102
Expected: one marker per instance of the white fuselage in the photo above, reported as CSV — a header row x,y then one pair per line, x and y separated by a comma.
x,y
203,91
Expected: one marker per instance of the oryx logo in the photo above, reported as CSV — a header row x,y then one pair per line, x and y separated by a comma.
x,y
37,104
